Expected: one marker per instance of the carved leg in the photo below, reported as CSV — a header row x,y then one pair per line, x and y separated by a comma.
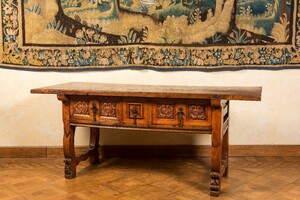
x,y
69,152
216,148
94,145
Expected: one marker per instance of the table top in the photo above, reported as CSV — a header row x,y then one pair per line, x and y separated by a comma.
x,y
153,91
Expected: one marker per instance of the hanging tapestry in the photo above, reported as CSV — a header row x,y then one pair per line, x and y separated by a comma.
x,y
152,34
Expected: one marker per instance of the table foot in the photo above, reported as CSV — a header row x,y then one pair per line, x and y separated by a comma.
x,y
70,168
215,184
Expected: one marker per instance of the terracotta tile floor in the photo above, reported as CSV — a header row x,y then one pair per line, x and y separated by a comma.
x,y
271,178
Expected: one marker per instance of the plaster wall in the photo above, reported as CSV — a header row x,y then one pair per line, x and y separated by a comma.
x,y
35,120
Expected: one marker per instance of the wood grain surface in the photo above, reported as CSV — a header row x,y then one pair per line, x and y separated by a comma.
x,y
130,90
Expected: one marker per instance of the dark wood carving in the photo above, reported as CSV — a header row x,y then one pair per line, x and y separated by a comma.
x,y
68,168
108,110
196,112
81,108
165,111
215,183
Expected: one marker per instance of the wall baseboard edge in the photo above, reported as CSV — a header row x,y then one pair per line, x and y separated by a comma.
x,y
108,151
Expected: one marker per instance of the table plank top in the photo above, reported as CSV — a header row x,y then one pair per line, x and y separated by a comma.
x,y
153,91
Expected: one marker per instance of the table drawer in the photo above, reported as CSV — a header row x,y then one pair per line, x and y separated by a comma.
x,y
186,115
103,111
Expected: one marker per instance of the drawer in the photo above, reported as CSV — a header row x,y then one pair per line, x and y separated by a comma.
x,y
103,111
135,112
187,114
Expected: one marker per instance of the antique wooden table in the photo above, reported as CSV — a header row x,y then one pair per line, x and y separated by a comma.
x,y
197,110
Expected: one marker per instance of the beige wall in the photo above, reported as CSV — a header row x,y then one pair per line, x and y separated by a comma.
x,y
35,120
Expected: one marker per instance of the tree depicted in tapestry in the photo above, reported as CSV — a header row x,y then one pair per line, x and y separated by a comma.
x,y
187,34
172,22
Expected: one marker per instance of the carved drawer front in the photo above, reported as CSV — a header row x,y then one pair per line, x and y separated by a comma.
x,y
83,110
135,112
187,114
97,110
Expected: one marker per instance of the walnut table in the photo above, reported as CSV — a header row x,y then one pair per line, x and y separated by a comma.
x,y
196,110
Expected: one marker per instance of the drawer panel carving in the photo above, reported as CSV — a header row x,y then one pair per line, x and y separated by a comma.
x,y
108,109
165,111
197,112
83,110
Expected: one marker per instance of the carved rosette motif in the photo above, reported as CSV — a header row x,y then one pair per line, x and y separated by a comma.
x,y
108,109
196,112
81,108
165,111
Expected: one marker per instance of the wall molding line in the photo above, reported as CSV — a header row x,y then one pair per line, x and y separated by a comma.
x,y
109,151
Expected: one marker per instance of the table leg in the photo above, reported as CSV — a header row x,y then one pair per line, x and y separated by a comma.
x,y
68,139
216,148
225,147
94,145
69,152
225,139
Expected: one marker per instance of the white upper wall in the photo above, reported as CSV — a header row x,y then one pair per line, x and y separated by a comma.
x,y
35,120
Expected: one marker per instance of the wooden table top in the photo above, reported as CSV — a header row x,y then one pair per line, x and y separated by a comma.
x,y
153,91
